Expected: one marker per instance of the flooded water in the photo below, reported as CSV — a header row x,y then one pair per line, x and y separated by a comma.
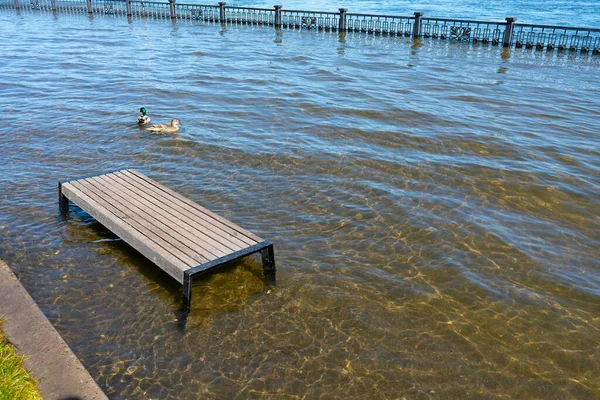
x,y
434,208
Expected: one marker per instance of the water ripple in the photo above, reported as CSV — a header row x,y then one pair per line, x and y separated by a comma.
x,y
434,209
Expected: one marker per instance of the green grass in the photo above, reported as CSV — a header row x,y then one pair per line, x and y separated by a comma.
x,y
15,382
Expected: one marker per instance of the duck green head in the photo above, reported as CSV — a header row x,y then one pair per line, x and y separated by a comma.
x,y
143,111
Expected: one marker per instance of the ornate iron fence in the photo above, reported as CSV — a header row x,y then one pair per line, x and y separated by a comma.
x,y
197,12
250,16
380,24
110,7
309,20
464,30
559,38
70,6
507,33
37,5
150,9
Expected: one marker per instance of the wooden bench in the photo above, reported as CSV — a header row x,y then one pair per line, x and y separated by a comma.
x,y
180,236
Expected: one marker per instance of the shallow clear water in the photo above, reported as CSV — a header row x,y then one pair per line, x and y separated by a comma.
x,y
434,208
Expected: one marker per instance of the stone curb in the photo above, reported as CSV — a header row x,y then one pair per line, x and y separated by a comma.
x,y
47,357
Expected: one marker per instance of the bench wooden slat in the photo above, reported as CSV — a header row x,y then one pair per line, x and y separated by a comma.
x,y
153,230
164,207
165,201
253,238
167,223
218,231
159,255
146,230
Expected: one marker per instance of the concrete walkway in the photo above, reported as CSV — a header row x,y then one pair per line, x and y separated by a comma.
x,y
47,357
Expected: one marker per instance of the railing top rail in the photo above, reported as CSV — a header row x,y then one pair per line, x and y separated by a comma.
x,y
468,21
193,5
250,8
570,28
380,15
151,2
311,12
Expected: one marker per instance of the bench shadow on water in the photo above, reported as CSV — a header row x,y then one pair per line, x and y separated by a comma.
x,y
227,290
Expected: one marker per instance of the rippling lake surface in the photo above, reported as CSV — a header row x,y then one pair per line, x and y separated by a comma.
x,y
434,208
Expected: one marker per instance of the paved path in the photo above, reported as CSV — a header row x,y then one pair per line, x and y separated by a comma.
x,y
47,357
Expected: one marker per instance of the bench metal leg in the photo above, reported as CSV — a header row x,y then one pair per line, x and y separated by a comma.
x,y
268,262
187,292
63,201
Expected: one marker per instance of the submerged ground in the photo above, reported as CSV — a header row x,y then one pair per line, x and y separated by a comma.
x,y
434,208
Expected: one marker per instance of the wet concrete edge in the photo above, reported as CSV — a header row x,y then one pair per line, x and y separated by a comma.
x,y
47,357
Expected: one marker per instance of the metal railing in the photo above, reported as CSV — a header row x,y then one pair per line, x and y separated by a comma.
x,y
197,12
508,33
562,39
380,24
250,16
109,7
484,32
309,20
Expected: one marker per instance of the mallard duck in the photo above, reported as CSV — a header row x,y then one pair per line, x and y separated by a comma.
x,y
143,119
165,128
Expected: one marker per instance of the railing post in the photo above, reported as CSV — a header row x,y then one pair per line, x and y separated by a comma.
x,y
277,16
342,24
417,25
128,5
53,4
17,6
508,32
172,9
89,6
222,12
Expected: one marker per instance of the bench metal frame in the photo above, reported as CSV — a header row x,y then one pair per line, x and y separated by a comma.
x,y
268,261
